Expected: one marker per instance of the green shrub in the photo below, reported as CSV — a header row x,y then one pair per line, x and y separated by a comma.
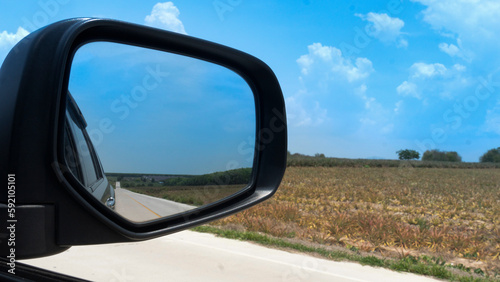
x,y
408,154
492,156
441,156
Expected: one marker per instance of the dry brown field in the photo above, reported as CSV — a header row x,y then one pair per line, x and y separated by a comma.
x,y
453,213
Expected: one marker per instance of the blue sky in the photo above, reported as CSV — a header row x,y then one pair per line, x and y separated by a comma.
x,y
361,79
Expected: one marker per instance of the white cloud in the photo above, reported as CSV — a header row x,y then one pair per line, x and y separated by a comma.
x,y
492,120
402,43
370,102
432,79
305,62
166,16
423,70
398,107
362,70
361,90
327,76
298,116
459,67
450,49
456,51
468,18
475,22
427,70
375,116
385,28
330,61
7,40
408,89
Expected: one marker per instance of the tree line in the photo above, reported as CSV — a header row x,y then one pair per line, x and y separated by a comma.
x,y
229,177
491,156
320,160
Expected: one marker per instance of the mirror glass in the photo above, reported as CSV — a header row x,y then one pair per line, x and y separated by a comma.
x,y
151,134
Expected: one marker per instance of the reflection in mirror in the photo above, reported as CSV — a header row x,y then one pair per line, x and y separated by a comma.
x,y
153,134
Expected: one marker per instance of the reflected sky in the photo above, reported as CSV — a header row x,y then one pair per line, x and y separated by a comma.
x,y
155,112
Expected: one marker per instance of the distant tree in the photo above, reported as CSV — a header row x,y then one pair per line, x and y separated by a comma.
x,y
408,154
453,157
318,155
441,156
119,178
492,156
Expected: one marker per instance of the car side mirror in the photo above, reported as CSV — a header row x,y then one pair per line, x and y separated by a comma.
x,y
153,134
204,125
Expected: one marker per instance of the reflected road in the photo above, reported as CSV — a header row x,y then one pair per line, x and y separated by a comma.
x,y
139,208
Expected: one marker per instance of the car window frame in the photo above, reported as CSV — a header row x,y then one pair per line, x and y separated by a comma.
x,y
70,147
74,123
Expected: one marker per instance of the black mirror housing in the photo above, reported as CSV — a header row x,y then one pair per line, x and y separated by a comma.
x,y
51,212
